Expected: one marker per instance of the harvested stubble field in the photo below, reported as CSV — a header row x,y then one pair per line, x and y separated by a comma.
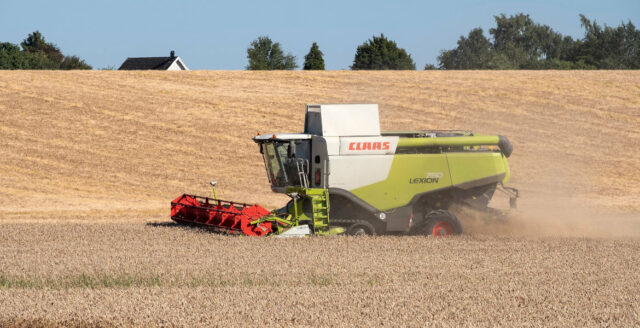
x,y
90,160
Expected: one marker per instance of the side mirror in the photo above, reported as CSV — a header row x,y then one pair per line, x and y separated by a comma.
x,y
291,152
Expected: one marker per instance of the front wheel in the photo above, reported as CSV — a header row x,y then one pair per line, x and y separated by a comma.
x,y
361,228
441,223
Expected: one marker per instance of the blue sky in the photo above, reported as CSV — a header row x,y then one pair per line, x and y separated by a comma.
x,y
216,34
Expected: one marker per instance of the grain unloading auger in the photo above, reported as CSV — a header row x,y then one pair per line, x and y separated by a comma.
x,y
344,175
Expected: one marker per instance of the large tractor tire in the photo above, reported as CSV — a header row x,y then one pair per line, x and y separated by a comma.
x,y
441,223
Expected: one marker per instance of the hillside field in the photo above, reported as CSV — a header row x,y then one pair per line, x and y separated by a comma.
x,y
89,162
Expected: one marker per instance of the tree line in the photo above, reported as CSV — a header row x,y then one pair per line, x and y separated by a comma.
x,y
516,42
378,53
36,53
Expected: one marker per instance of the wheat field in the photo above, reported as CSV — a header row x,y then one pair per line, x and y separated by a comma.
x,y
89,162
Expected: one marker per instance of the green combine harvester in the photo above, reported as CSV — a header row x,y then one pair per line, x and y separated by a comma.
x,y
346,176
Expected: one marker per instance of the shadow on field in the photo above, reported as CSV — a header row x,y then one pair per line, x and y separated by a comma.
x,y
190,227
54,323
164,224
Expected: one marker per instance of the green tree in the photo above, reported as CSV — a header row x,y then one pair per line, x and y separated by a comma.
x,y
380,53
526,43
11,57
37,53
517,42
520,43
313,60
74,62
608,47
473,52
35,42
264,54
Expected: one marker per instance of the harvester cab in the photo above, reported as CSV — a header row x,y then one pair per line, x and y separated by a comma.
x,y
343,173
286,159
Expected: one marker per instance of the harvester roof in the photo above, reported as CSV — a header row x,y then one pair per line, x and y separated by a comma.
x,y
281,136
342,120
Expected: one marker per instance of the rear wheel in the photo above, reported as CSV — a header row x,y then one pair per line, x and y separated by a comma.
x,y
361,228
441,223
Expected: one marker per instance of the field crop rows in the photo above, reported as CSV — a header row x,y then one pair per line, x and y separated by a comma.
x,y
160,274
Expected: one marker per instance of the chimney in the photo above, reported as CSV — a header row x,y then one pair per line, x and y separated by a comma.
x,y
173,54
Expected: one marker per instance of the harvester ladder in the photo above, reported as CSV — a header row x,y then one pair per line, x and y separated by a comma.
x,y
303,172
320,206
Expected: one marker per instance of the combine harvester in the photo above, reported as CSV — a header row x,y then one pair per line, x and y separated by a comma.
x,y
344,175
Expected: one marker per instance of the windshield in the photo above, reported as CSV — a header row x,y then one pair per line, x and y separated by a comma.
x,y
273,154
282,169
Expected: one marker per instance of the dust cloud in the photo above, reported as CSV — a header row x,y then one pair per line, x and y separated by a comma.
x,y
540,215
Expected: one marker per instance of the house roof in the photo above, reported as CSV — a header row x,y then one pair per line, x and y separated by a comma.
x,y
144,63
